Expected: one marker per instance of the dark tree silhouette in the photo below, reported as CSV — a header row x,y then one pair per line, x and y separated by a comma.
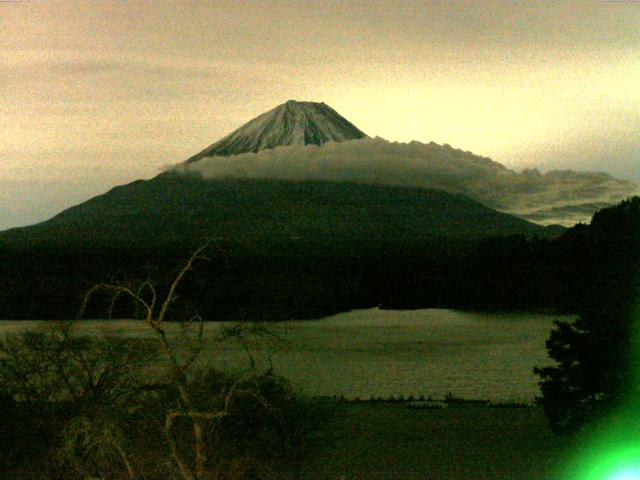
x,y
593,373
594,355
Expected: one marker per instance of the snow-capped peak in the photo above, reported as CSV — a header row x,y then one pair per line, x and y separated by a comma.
x,y
292,123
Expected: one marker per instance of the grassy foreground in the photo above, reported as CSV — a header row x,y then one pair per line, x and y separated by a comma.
x,y
371,440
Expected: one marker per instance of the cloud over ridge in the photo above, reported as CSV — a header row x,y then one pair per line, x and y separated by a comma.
x,y
561,196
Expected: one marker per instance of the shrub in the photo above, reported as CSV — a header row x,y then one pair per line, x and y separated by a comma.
x,y
52,364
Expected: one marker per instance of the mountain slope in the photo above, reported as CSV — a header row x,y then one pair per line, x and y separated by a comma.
x,y
176,209
292,123
282,249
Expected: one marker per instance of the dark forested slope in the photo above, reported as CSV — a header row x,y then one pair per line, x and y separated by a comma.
x,y
280,248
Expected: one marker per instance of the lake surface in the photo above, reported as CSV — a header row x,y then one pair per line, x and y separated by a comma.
x,y
371,353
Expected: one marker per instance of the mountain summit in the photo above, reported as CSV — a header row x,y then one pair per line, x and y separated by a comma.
x,y
292,123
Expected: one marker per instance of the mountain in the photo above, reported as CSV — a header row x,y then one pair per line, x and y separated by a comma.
x,y
282,144
176,209
282,248
292,123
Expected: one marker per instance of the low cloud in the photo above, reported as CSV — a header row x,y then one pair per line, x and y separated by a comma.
x,y
565,197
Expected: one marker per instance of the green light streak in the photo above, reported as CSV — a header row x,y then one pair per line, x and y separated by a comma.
x,y
610,450
612,453
626,474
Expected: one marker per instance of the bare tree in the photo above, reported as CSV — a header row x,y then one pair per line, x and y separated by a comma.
x,y
92,446
145,296
108,406
54,364
73,388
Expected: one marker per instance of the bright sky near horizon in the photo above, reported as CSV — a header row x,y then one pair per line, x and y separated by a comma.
x,y
96,94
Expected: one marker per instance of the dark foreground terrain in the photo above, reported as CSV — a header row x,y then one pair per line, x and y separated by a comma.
x,y
387,440
371,440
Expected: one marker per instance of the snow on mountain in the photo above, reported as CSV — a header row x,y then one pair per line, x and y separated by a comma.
x,y
292,123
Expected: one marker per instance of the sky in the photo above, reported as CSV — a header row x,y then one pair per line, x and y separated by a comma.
x,y
97,94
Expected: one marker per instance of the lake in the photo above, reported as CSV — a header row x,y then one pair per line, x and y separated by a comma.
x,y
371,353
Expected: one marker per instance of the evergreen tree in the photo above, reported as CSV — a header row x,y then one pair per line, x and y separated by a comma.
x,y
594,355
